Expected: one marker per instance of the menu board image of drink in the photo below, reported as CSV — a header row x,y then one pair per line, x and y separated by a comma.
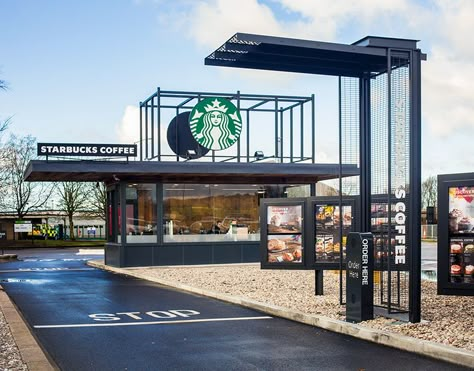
x,y
284,237
328,231
461,235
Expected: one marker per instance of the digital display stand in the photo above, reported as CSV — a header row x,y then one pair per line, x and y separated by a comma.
x,y
456,234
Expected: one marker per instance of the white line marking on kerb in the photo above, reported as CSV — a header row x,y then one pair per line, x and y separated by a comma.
x,y
154,322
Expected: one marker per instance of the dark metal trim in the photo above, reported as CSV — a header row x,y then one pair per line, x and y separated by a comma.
x,y
414,202
365,154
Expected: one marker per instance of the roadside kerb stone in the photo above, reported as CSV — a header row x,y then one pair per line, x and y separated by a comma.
x,y
30,351
8,256
423,347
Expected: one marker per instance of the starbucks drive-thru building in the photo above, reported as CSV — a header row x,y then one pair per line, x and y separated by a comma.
x,y
207,159
190,203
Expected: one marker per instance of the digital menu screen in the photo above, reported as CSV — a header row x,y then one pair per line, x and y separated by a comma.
x,y
461,260
329,233
461,210
284,226
284,219
461,235
284,249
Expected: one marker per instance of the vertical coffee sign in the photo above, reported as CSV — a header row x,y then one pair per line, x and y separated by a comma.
x,y
400,170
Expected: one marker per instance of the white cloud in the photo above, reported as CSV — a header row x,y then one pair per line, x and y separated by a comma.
x,y
448,103
129,127
445,28
325,18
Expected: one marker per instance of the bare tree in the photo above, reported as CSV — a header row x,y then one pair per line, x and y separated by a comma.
x,y
98,201
4,123
19,195
429,192
73,197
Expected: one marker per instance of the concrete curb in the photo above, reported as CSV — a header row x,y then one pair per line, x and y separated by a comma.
x,y
30,351
8,256
426,348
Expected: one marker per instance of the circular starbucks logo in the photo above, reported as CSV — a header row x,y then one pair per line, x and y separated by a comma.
x,y
215,123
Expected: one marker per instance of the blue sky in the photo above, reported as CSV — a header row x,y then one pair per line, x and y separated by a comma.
x,y
77,69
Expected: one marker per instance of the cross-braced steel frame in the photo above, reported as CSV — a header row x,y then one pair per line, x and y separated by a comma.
x,y
283,116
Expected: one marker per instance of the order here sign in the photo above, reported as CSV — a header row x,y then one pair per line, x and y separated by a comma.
x,y
83,149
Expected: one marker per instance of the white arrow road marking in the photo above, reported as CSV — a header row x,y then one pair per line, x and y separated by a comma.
x,y
154,322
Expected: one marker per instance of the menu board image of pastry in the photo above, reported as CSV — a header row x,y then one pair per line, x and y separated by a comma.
x,y
461,210
284,219
284,249
461,260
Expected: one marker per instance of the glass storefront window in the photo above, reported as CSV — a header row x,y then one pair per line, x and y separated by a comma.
x,y
215,212
140,212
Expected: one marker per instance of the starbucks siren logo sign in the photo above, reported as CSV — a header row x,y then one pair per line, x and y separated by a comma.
x,y
215,123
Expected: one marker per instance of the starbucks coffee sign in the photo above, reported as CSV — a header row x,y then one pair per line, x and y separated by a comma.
x,y
215,123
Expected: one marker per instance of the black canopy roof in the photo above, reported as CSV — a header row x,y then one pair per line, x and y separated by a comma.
x,y
184,172
368,55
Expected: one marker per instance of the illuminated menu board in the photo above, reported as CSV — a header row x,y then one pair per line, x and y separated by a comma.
x,y
284,238
461,235
455,236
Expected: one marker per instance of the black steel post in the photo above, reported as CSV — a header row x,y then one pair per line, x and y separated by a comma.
x,y
301,132
281,136
365,153
123,222
238,141
276,128
146,130
177,135
313,130
152,127
389,181
341,267
248,135
158,120
318,282
291,135
141,133
414,202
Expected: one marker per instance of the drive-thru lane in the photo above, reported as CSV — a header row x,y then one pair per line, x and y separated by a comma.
x,y
88,319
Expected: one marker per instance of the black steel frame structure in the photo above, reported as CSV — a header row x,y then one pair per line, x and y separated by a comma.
x,y
364,62
287,114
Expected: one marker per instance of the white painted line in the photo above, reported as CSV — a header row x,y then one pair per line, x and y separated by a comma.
x,y
154,322
37,270
51,260
90,252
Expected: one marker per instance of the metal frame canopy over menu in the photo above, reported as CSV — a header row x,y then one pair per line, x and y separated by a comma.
x,y
380,131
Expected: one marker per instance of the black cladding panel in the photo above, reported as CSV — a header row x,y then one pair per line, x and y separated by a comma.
x,y
181,140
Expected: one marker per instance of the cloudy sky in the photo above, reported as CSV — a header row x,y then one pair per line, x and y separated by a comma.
x,y
76,70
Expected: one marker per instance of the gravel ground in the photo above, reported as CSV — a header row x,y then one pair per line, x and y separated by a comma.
x,y
446,319
10,358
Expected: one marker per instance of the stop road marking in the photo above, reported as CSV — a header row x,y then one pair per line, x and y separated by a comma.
x,y
139,316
